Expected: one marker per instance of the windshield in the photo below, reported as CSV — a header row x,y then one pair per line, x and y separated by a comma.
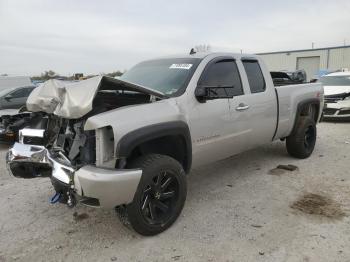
x,y
335,80
168,76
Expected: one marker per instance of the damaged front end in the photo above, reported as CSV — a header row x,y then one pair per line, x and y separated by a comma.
x,y
90,185
337,107
80,163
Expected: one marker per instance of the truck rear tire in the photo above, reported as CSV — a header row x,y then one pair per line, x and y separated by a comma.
x,y
301,142
160,195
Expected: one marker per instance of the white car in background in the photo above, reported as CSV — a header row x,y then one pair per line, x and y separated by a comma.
x,y
337,95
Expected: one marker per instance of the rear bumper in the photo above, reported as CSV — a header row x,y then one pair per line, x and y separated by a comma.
x,y
109,187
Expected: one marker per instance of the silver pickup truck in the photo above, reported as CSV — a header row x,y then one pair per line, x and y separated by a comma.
x,y
128,143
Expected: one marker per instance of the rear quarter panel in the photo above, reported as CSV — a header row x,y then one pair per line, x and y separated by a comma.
x,y
290,96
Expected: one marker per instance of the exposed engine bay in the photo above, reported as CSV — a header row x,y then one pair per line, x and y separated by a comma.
x,y
68,135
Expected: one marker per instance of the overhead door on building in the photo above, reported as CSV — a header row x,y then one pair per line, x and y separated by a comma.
x,y
311,65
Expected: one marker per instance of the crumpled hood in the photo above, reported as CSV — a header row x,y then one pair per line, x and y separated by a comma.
x,y
74,100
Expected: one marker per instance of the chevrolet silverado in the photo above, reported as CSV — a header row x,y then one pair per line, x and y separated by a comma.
x,y
128,143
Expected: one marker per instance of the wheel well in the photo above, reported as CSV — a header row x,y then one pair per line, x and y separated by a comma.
x,y
310,109
171,145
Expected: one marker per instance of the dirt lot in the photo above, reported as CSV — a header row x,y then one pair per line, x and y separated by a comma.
x,y
236,210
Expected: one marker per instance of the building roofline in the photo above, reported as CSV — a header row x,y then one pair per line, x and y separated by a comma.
x,y
305,50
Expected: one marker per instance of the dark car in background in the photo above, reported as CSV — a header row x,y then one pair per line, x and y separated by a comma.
x,y
282,78
12,101
14,98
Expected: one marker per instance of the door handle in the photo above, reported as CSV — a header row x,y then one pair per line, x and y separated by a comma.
x,y
242,107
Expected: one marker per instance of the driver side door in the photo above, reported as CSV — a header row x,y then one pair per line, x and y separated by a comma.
x,y
213,135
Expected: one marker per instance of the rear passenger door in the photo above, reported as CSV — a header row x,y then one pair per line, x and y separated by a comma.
x,y
257,109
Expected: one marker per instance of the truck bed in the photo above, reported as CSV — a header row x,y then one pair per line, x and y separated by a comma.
x,y
288,97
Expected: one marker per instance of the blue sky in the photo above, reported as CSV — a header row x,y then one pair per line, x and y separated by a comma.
x,y
102,36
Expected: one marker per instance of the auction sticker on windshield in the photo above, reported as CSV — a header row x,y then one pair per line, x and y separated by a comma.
x,y
181,66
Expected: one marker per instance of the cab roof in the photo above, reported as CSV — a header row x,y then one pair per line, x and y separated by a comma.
x,y
201,55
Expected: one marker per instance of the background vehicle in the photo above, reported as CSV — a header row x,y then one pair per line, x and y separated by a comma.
x,y
337,95
11,101
281,78
129,142
14,98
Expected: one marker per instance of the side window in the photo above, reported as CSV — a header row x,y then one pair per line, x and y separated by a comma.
x,y
223,73
23,92
29,90
255,76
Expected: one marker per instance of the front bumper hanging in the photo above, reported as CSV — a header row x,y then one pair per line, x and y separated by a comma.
x,y
89,184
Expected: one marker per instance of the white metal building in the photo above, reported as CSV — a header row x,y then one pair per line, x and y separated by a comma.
x,y
311,60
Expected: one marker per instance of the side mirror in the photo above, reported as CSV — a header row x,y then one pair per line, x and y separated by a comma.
x,y
201,93
204,93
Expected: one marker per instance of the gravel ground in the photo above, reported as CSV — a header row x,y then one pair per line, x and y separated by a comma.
x,y
236,210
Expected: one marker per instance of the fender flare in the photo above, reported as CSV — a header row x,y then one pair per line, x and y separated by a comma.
x,y
136,137
301,105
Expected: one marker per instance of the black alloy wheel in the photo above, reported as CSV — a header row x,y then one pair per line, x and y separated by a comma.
x,y
301,142
160,196
309,139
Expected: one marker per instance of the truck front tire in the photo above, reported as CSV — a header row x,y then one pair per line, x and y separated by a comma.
x,y
160,195
301,142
